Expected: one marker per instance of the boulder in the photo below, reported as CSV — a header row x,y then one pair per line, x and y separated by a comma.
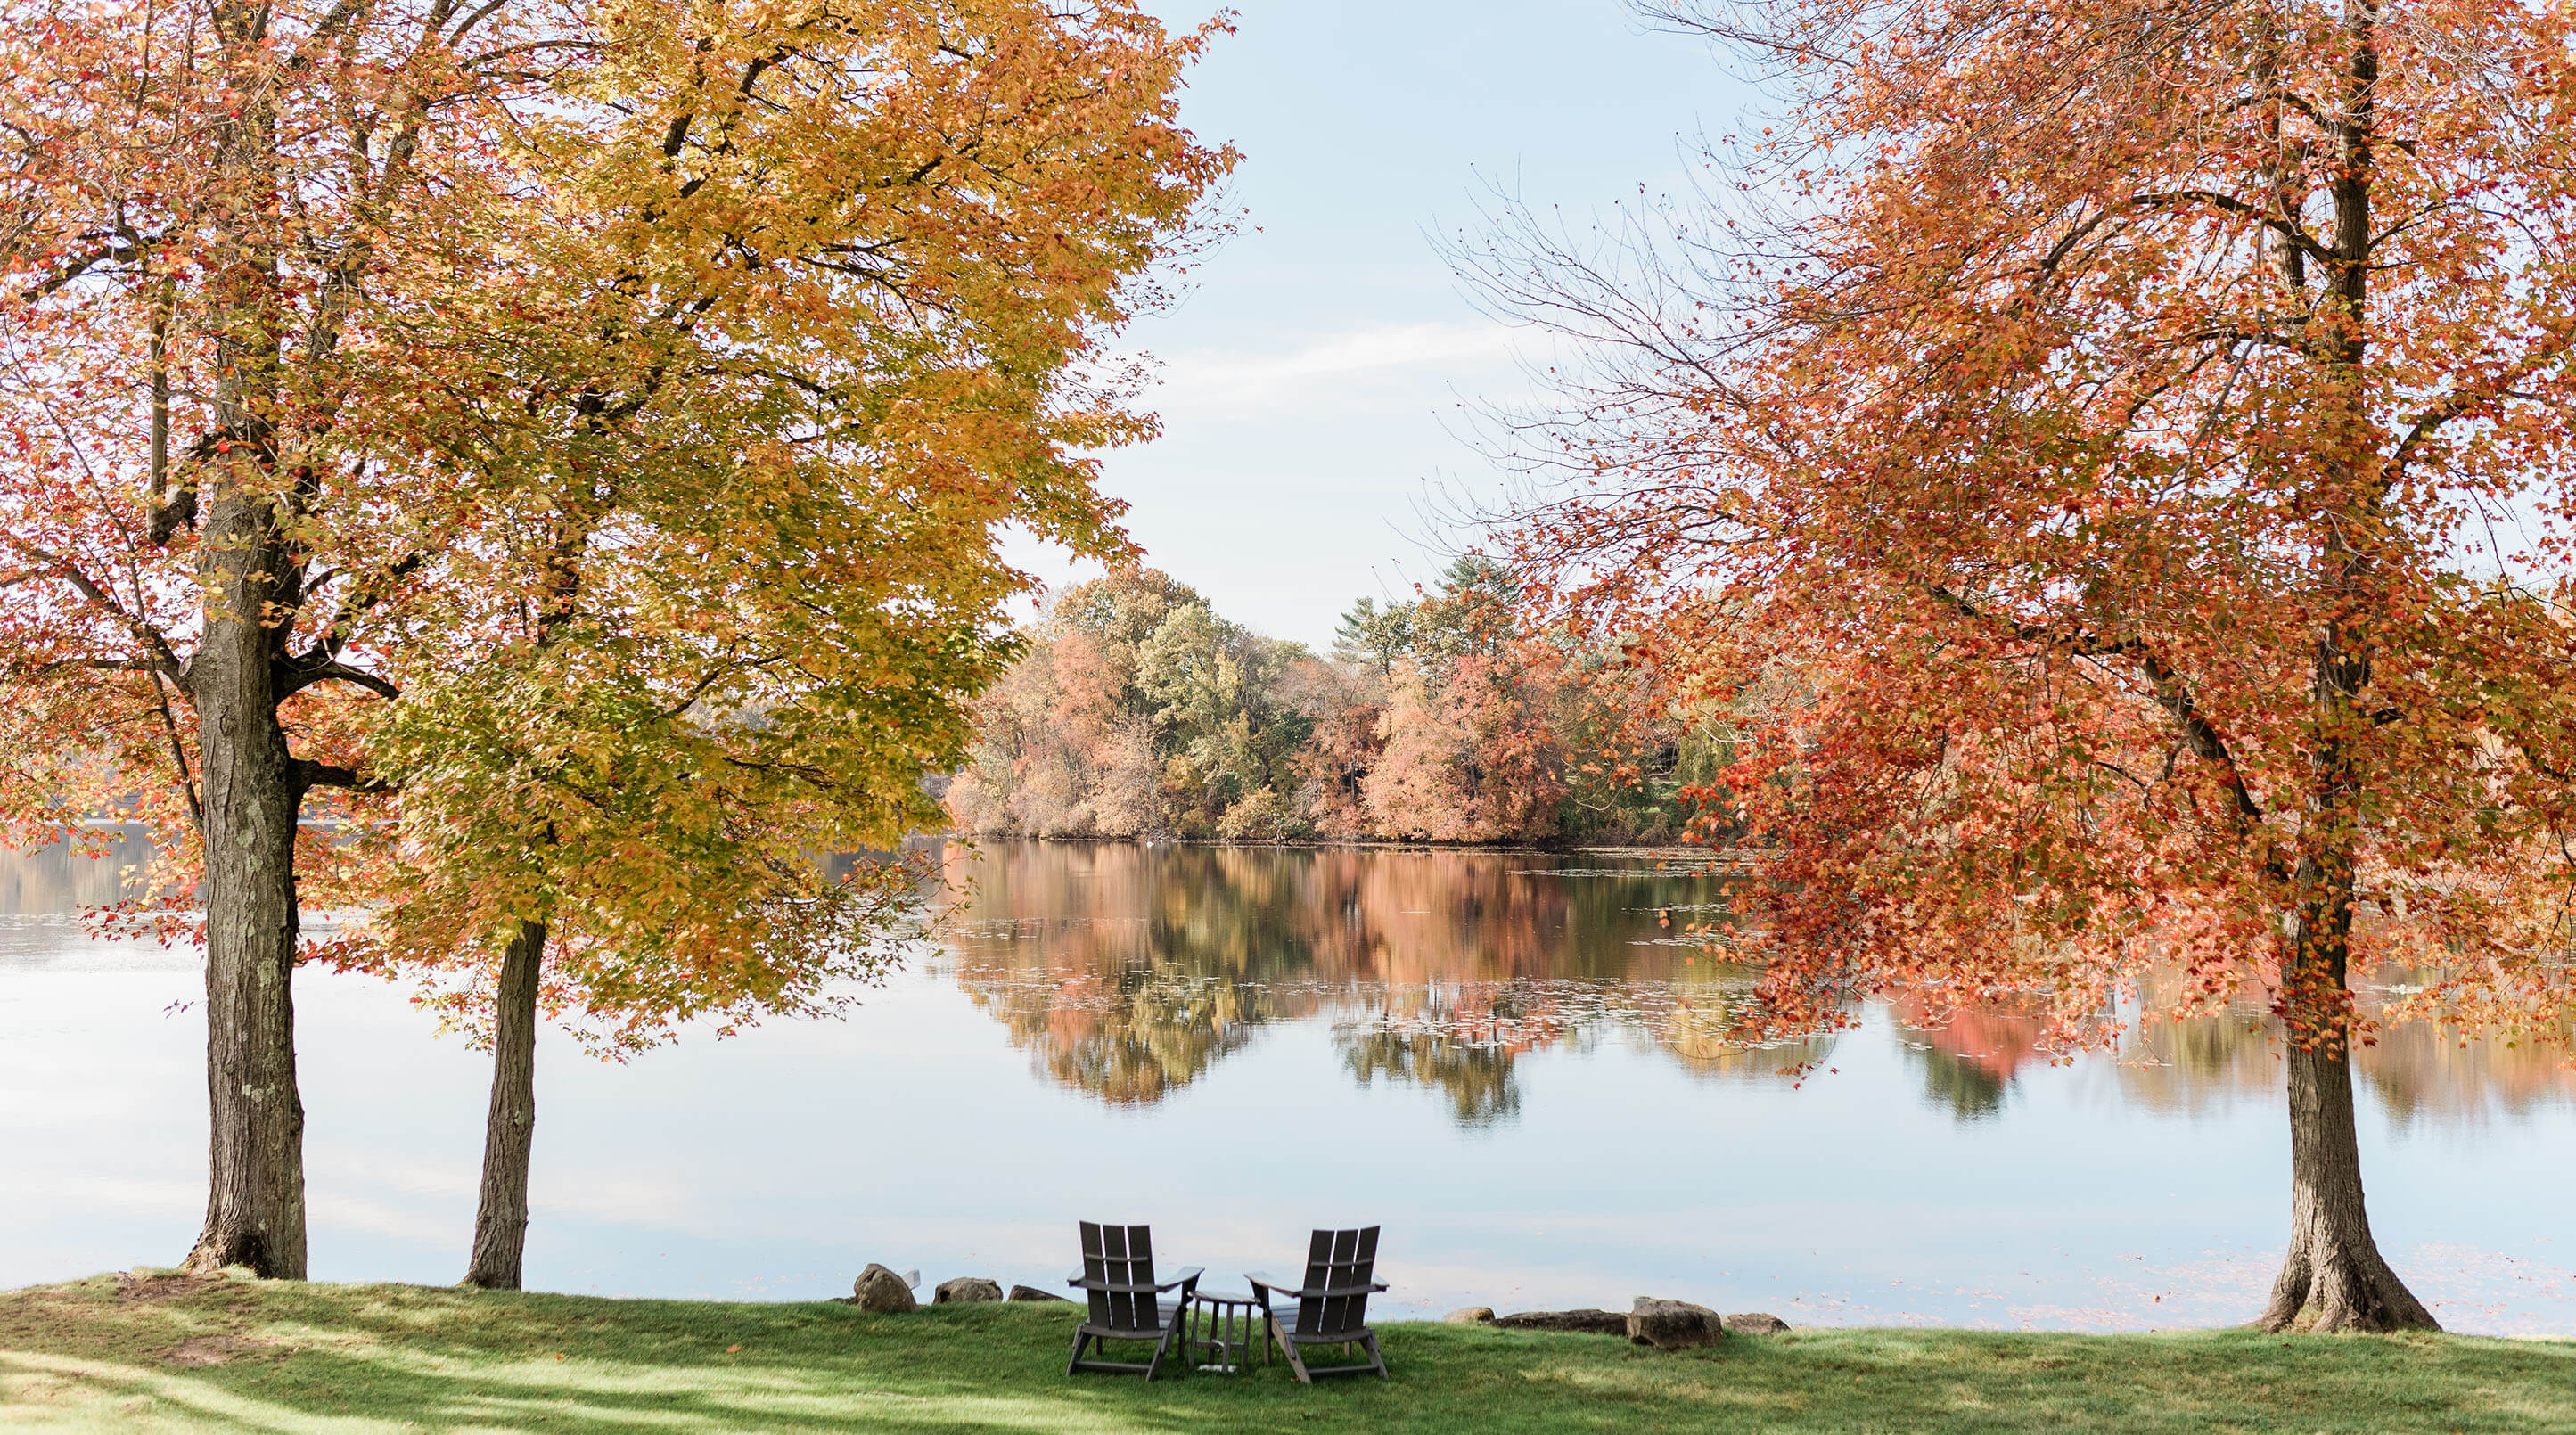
x,y
882,1292
1471,1315
1033,1293
1586,1322
965,1288
1674,1324
1754,1322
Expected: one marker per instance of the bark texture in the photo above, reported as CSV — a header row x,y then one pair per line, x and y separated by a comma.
x,y
2334,1278
255,1197
252,787
501,1218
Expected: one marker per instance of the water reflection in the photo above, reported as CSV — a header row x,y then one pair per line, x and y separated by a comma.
x,y
1128,972
1510,1061
55,881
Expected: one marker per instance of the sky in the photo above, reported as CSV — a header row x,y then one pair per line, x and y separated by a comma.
x,y
1315,375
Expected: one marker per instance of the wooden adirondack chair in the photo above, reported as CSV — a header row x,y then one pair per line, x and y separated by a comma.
x,y
1331,1304
1126,1301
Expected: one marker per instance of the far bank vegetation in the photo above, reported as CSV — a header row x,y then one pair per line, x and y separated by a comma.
x,y
1137,711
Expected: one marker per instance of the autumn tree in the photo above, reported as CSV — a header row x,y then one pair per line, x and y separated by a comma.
x,y
762,583
616,408
206,511
1374,637
1067,740
1448,725
2112,458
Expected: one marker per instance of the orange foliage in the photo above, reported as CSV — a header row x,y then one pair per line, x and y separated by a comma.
x,y
2081,499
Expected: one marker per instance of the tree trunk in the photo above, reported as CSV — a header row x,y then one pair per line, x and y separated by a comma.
x,y
255,1200
252,790
2334,1278
501,1220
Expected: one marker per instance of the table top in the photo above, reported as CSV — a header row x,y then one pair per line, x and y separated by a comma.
x,y
1223,1298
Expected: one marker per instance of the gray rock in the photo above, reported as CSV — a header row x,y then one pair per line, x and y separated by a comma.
x,y
1754,1322
882,1292
1673,1324
965,1288
1033,1293
1471,1315
1585,1322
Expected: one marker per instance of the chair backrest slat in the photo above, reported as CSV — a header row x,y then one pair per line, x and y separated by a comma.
x,y
1120,1256
1338,1260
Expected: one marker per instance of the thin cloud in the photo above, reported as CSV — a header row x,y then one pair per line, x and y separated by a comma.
x,y
1336,371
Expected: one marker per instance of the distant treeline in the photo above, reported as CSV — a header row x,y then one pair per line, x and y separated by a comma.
x,y
1137,711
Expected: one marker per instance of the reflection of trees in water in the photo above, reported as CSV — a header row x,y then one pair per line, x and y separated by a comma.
x,y
1477,1079
1967,1088
1129,971
55,879
2201,1063
1150,1036
1969,1056
2418,1072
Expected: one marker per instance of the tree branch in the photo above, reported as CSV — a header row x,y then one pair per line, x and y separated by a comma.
x,y
2496,389
302,675
2232,205
309,774
164,661
2199,734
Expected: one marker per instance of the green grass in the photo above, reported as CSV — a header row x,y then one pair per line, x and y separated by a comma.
x,y
124,1354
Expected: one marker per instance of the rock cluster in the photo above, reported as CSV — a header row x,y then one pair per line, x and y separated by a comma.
x,y
959,1289
1033,1293
1664,1324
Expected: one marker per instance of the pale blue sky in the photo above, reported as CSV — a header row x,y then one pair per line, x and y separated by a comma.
x,y
1313,377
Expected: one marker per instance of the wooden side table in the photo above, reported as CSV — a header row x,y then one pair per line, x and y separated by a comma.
x,y
1221,1330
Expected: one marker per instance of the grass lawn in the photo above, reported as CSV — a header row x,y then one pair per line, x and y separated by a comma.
x,y
170,1353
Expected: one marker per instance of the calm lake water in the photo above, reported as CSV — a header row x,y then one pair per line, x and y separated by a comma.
x,y
1508,1060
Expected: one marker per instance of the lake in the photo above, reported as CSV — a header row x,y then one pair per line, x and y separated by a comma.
x,y
1512,1061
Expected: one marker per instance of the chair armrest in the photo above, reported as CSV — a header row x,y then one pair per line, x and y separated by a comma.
x,y
1079,1283
1188,1277
1263,1284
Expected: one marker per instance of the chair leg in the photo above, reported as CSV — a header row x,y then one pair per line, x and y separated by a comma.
x,y
1374,1358
1297,1362
1162,1348
1076,1363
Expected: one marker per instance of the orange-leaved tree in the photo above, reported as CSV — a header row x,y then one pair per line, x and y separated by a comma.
x,y
626,398
208,507
2111,456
